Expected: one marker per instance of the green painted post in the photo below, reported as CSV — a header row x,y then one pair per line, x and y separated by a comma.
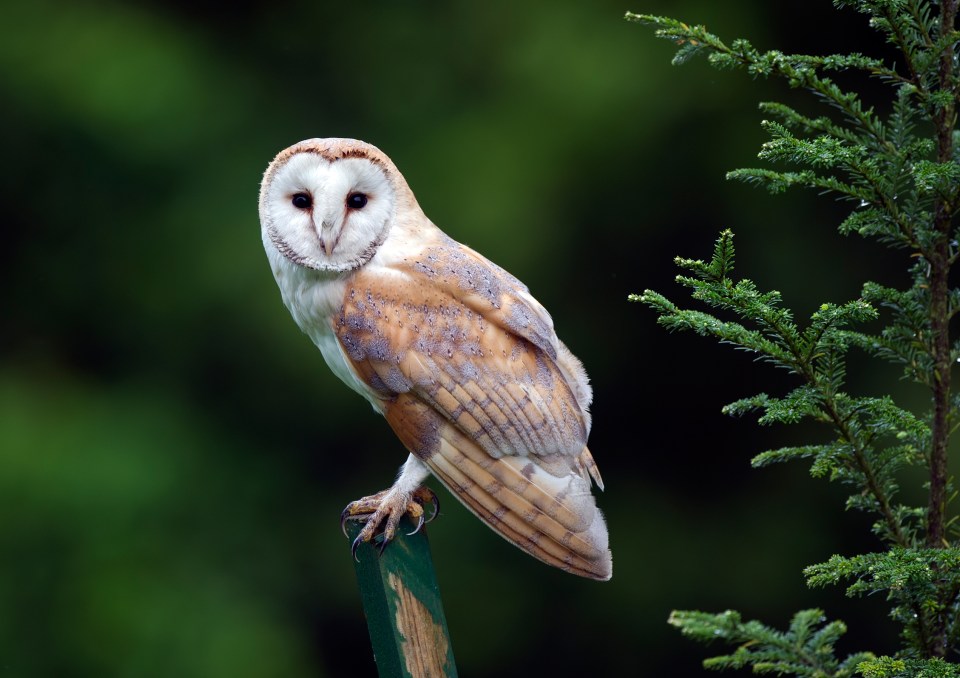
x,y
401,601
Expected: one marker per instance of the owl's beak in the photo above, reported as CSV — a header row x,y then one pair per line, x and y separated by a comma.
x,y
328,239
327,246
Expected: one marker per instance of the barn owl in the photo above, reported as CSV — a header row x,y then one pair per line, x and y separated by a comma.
x,y
451,349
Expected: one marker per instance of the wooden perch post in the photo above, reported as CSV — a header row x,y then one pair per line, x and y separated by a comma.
x,y
401,601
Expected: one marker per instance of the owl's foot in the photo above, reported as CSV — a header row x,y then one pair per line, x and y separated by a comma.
x,y
389,505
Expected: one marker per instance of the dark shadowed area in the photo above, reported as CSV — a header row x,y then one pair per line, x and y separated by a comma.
x,y
174,453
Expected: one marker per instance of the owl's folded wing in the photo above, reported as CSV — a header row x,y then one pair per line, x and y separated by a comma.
x,y
490,413
404,334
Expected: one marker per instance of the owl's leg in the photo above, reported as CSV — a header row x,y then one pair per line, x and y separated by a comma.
x,y
406,496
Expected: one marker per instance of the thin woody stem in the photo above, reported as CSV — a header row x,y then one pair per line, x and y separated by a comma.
x,y
940,260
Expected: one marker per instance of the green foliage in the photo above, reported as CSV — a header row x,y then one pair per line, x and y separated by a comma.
x,y
805,649
875,437
912,580
902,174
888,667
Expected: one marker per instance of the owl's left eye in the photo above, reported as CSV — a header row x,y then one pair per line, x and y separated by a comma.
x,y
356,200
301,201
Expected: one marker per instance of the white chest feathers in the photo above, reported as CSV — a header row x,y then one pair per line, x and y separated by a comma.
x,y
314,298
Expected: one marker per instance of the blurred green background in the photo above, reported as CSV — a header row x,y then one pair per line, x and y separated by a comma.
x,y
174,454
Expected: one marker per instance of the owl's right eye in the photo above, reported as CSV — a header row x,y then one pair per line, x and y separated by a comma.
x,y
301,201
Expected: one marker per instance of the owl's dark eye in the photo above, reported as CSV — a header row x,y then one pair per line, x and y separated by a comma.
x,y
301,201
356,201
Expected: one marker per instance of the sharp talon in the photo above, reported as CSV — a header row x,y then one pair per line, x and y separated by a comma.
x,y
354,547
382,512
420,523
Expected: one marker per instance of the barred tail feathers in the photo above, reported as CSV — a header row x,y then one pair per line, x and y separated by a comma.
x,y
541,504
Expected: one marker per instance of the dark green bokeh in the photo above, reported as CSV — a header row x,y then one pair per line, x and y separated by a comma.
x,y
174,454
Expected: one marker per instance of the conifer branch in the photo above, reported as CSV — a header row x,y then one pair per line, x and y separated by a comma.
x,y
901,40
907,187
921,20
779,341
805,649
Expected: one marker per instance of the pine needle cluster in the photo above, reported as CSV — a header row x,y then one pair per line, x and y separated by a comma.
x,y
901,174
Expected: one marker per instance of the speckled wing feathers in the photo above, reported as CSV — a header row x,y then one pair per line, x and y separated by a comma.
x,y
469,375
482,286
497,387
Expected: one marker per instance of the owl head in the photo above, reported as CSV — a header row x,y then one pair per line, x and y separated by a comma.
x,y
328,204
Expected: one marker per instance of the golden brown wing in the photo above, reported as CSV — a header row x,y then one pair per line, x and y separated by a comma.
x,y
404,334
489,410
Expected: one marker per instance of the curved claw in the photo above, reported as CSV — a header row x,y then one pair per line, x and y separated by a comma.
x,y
343,522
383,544
420,523
435,500
354,547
